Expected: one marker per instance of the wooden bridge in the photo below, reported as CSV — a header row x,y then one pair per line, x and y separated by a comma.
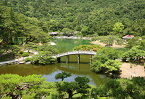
x,y
67,54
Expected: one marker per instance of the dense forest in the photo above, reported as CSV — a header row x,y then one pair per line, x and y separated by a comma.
x,y
98,17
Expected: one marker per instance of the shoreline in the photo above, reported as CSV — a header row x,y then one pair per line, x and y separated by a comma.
x,y
97,42
72,37
18,61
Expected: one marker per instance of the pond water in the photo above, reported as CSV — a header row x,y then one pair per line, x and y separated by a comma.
x,y
64,45
49,71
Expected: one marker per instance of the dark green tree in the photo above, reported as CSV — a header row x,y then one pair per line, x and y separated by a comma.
x,y
62,75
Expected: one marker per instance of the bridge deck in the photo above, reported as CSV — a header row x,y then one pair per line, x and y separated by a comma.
x,y
75,53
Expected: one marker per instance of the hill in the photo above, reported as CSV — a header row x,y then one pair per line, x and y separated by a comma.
x,y
87,16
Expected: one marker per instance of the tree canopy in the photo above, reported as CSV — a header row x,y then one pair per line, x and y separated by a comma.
x,y
99,17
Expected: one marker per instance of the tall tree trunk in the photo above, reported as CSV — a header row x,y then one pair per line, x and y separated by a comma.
x,y
70,93
62,79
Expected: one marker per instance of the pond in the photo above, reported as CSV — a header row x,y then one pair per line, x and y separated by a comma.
x,y
64,45
49,71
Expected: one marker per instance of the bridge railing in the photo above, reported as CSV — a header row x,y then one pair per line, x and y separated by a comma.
x,y
75,52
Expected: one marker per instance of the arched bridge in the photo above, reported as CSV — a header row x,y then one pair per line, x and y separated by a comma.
x,y
58,56
75,53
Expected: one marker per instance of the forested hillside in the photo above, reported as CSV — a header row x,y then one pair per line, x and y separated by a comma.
x,y
86,16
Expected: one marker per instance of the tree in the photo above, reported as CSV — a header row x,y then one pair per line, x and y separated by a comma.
x,y
118,27
134,54
88,47
69,87
43,58
86,16
133,42
85,30
7,30
67,31
8,52
136,41
105,54
111,66
33,86
82,81
105,61
123,88
62,75
80,86
15,25
110,40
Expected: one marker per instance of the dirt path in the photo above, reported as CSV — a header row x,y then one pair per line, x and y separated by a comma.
x,y
98,43
132,70
102,44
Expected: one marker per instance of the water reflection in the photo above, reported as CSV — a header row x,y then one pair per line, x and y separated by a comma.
x,y
50,71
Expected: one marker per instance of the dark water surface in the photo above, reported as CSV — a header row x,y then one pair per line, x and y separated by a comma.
x,y
49,71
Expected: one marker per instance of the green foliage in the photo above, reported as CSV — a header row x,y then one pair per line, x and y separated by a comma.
x,y
15,86
45,54
136,41
85,30
8,52
80,87
62,75
99,17
118,27
134,54
24,54
137,50
43,58
31,45
88,48
105,54
82,80
110,40
16,25
47,48
111,66
124,88
105,61
28,59
67,31
9,49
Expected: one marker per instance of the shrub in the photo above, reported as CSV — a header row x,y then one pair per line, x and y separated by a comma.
x,y
109,67
43,58
88,47
105,61
28,59
25,54
13,86
134,54
124,88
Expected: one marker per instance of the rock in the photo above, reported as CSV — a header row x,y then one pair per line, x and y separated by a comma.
x,y
28,63
22,62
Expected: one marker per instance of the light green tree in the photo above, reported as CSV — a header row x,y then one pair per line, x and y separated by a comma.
x,y
134,54
118,28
